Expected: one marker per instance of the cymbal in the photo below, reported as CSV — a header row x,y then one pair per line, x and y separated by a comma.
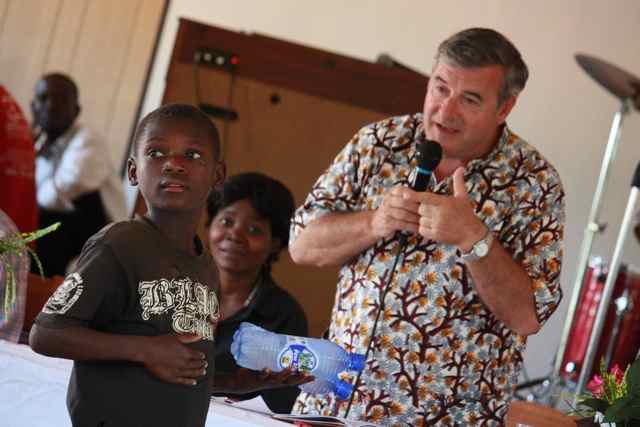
x,y
617,81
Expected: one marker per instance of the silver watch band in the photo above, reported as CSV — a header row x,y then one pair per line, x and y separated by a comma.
x,y
480,249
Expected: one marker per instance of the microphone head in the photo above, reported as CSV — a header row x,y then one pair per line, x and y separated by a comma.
x,y
429,154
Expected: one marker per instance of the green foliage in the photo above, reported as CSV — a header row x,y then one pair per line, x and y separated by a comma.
x,y
615,394
17,245
598,405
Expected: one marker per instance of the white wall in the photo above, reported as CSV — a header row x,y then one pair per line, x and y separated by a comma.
x,y
562,111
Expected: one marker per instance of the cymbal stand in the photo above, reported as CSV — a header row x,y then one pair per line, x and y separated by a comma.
x,y
593,227
623,306
609,285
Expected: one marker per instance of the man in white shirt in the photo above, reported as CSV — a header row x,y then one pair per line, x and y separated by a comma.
x,y
77,182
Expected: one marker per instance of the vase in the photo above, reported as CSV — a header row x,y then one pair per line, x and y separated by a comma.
x,y
598,417
12,316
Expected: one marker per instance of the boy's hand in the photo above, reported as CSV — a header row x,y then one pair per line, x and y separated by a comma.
x,y
168,358
266,379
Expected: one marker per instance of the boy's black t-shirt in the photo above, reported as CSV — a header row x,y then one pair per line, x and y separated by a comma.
x,y
131,280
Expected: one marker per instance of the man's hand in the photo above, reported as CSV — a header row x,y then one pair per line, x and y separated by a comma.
x,y
168,358
397,212
450,219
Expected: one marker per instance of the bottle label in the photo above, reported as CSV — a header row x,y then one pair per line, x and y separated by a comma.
x,y
297,355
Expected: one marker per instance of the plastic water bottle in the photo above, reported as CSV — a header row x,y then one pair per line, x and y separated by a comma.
x,y
340,388
256,348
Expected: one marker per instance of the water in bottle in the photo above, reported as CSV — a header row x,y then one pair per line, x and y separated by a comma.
x,y
256,348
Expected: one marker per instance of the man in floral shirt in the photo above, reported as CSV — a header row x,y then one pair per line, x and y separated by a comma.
x,y
481,268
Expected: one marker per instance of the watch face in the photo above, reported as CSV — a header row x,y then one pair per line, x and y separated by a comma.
x,y
481,249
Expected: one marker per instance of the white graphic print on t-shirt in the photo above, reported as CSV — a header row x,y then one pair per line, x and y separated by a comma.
x,y
195,307
66,294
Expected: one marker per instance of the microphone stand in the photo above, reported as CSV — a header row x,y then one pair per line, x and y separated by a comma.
x,y
593,227
609,285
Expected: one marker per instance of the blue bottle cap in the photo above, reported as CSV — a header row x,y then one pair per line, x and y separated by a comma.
x,y
356,362
342,389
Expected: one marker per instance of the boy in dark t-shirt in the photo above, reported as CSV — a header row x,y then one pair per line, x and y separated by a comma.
x,y
138,314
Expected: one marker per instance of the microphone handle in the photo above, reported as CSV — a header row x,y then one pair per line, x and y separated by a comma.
x,y
422,179
419,184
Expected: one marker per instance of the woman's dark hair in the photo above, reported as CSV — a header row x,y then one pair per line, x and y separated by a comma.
x,y
271,199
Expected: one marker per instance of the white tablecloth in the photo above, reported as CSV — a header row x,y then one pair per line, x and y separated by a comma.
x,y
33,391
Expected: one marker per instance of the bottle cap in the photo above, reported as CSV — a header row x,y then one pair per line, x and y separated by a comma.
x,y
342,389
356,362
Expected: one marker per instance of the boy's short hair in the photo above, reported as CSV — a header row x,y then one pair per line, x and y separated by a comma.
x,y
271,199
179,111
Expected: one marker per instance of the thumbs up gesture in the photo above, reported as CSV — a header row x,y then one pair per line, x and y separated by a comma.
x,y
451,219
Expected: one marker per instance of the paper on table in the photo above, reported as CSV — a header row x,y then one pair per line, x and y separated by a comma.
x,y
320,420
256,404
228,415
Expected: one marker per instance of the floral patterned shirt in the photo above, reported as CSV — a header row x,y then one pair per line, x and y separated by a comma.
x,y
439,357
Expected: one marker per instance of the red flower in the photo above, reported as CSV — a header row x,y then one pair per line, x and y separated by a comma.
x,y
595,386
618,373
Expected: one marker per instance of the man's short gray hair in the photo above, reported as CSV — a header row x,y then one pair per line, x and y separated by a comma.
x,y
480,47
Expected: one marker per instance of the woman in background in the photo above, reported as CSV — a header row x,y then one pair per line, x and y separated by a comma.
x,y
248,228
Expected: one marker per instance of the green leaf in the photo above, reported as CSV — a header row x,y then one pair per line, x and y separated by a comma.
x,y
623,410
634,412
633,378
595,404
29,237
10,289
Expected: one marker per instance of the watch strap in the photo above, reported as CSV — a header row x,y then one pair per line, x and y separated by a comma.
x,y
473,254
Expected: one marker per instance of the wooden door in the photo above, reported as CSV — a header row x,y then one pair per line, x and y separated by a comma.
x,y
297,107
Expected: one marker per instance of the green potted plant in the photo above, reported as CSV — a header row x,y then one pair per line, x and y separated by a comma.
x,y
614,397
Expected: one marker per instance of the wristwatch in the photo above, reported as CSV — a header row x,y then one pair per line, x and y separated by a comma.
x,y
480,249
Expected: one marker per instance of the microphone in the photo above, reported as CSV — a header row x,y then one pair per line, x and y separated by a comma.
x,y
429,155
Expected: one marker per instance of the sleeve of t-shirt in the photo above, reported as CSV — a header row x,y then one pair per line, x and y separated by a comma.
x,y
338,189
89,296
539,244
